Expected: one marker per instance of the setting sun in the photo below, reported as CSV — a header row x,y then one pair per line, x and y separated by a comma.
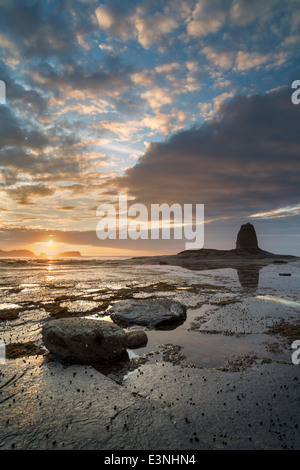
x,y
48,247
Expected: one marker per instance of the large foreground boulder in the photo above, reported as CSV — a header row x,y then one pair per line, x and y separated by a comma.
x,y
247,239
83,340
152,313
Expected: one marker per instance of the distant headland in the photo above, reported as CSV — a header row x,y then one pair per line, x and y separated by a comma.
x,y
17,254
30,254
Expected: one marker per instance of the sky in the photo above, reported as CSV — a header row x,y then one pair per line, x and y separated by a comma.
x,y
175,102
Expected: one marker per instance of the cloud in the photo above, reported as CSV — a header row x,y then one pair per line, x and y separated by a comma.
x,y
161,122
242,61
247,60
208,17
241,162
167,68
113,19
244,12
112,76
223,59
124,130
85,78
18,130
144,78
23,194
157,97
143,22
33,28
152,29
66,208
282,212
219,100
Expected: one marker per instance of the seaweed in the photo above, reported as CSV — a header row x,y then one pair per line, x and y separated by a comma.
x,y
222,303
289,331
16,350
10,314
56,311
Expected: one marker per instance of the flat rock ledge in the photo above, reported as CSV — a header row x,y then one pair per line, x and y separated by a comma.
x,y
83,341
47,406
161,313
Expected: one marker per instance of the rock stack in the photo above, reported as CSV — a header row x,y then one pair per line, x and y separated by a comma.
x,y
247,239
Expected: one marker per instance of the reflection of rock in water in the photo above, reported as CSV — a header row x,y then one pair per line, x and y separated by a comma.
x,y
248,276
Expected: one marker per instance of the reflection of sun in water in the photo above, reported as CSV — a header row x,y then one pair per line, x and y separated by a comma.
x,y
50,271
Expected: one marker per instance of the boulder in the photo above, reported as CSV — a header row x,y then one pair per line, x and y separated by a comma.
x,y
152,313
247,239
136,339
83,340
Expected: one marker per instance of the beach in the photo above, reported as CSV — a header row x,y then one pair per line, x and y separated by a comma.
x,y
222,379
149,240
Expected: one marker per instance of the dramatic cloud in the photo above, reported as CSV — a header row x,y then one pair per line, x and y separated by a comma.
x,y
244,159
170,101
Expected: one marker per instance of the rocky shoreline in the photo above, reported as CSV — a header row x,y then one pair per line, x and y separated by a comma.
x,y
159,400
158,406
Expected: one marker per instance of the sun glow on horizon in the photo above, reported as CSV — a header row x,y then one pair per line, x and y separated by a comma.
x,y
48,247
52,248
